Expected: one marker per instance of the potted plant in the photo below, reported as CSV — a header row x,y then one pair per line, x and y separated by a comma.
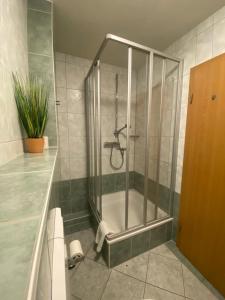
x,y
31,96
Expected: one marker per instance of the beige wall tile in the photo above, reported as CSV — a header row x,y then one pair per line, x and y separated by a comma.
x,y
61,97
76,101
218,38
75,76
206,24
65,168
187,50
76,124
60,56
63,126
60,74
77,147
78,168
78,61
71,114
219,15
64,146
13,58
204,45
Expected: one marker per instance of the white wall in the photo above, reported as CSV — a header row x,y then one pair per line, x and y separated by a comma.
x,y
108,94
70,74
13,58
204,42
167,123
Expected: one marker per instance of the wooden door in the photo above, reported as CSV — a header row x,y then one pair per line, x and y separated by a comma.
x,y
201,234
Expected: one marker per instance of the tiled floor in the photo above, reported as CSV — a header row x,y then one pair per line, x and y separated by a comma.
x,y
160,274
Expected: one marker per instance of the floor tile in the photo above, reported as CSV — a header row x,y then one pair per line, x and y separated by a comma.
x,y
86,238
166,269
92,254
165,273
164,250
173,248
73,270
135,267
152,292
194,288
89,281
123,287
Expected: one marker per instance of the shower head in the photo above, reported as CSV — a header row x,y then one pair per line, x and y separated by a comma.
x,y
117,132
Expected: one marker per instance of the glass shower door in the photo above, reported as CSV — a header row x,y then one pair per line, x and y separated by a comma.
x,y
137,137
161,135
93,124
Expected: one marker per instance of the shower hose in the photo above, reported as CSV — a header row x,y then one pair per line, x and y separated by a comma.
x,y
122,156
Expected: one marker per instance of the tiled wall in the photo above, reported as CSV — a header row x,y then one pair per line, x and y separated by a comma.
x,y
70,74
13,58
166,143
162,147
200,44
140,120
118,252
40,54
108,94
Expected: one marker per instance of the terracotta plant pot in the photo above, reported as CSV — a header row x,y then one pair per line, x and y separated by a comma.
x,y
34,145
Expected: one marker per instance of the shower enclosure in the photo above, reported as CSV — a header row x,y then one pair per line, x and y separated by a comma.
x,y
132,111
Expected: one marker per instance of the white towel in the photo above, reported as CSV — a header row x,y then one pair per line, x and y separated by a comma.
x,y
102,231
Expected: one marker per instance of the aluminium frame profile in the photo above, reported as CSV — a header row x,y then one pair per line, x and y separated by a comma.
x,y
149,71
176,133
159,137
95,141
151,52
87,121
99,140
129,89
114,238
128,43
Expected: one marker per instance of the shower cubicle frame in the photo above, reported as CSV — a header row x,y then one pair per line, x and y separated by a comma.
x,y
150,58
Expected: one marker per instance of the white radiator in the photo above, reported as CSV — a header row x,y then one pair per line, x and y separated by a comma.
x,y
58,259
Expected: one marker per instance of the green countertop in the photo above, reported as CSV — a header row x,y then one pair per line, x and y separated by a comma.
x,y
24,186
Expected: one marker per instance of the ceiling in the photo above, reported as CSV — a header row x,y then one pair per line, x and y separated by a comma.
x,y
81,25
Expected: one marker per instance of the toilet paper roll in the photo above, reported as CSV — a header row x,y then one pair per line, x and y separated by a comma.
x,y
76,252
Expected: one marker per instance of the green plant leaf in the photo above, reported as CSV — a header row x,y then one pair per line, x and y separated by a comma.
x,y
31,96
